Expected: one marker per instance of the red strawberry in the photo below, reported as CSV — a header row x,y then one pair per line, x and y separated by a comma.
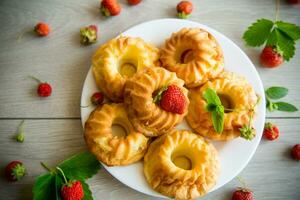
x,y
171,99
42,29
271,132
293,1
110,7
15,171
295,153
270,57
134,2
242,194
44,90
88,34
97,98
72,191
184,9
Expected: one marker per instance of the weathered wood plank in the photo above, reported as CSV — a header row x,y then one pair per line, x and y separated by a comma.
x,y
61,60
271,173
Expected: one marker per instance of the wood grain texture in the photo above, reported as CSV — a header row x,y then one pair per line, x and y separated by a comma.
x,y
56,132
63,62
271,173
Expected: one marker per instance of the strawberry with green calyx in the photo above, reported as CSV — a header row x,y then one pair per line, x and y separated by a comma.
x,y
271,131
80,167
20,133
44,89
71,190
247,132
88,35
110,8
184,9
96,99
242,193
171,98
278,35
42,29
15,171
277,92
295,152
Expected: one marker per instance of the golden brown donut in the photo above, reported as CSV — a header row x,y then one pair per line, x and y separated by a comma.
x,y
108,148
235,93
146,116
181,165
194,54
119,59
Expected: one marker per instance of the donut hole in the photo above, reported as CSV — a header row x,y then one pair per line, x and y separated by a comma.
x,y
118,130
182,159
127,67
185,56
226,102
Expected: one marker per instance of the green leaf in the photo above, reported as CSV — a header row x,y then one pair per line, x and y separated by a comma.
x,y
44,187
218,119
276,92
58,185
286,45
211,97
258,32
80,166
292,30
158,96
87,192
284,106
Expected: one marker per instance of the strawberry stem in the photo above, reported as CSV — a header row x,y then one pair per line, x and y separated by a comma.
x,y
34,78
63,175
21,126
46,167
242,181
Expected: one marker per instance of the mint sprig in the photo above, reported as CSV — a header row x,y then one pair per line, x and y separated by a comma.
x,y
215,107
281,35
79,167
276,92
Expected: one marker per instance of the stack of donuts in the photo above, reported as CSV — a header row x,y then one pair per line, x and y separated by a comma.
x,y
181,164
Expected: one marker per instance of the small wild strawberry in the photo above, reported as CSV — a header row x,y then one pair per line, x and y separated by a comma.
x,y
270,57
44,89
42,29
88,34
15,171
97,98
271,131
110,7
295,152
184,9
242,193
293,2
134,2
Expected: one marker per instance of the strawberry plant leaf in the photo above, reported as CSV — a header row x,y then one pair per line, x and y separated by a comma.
x,y
284,106
286,45
276,92
58,185
258,32
292,30
87,192
80,166
44,187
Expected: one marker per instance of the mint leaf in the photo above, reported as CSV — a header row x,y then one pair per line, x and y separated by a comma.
x,y
87,192
292,30
218,119
158,96
58,185
258,32
211,97
276,92
284,106
80,166
44,187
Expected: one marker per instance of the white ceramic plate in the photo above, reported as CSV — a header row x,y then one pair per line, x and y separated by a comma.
x,y
234,155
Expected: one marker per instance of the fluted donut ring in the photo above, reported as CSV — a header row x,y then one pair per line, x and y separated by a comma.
x,y
110,149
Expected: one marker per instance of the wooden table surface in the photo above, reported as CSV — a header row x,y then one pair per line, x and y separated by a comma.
x,y
53,128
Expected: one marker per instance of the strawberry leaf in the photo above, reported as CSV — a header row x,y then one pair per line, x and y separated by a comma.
x,y
44,187
87,192
276,92
292,30
258,32
80,166
58,185
284,106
